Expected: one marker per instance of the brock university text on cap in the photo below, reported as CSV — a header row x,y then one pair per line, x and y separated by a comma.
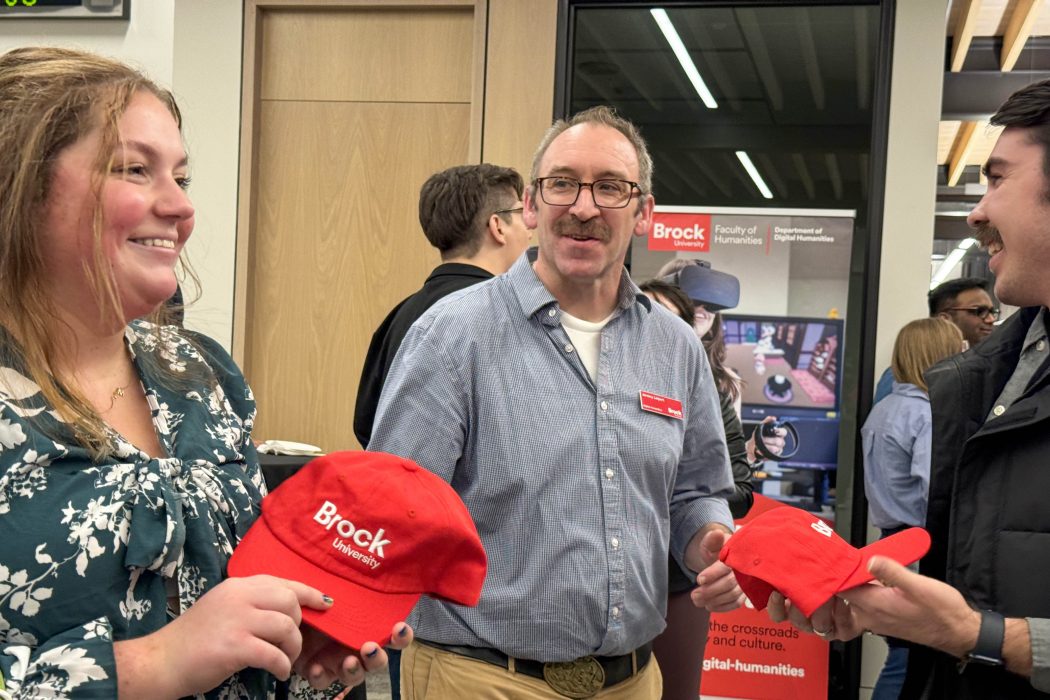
x,y
796,553
373,531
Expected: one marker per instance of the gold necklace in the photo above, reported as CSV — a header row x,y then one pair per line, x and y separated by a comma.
x,y
118,393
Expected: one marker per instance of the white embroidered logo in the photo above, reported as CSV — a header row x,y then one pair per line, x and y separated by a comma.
x,y
821,527
329,517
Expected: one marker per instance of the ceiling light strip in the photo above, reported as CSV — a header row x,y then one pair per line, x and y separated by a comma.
x,y
671,34
745,160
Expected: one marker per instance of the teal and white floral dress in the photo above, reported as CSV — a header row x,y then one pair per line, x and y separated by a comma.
x,y
89,552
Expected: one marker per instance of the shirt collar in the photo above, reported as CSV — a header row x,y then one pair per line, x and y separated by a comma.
x,y
534,296
1036,331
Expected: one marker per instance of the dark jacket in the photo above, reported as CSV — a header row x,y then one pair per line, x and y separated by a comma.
x,y
743,485
445,279
988,516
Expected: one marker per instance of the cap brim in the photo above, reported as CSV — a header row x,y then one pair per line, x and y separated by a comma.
x,y
358,615
906,547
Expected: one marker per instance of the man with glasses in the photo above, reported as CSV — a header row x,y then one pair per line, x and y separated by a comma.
x,y
472,215
966,303
580,424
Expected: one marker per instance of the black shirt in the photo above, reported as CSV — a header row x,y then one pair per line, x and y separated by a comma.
x,y
445,279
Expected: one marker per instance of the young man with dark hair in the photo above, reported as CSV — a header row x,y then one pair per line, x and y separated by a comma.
x,y
472,214
966,303
980,612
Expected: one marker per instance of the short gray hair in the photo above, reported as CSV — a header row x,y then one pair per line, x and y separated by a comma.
x,y
602,115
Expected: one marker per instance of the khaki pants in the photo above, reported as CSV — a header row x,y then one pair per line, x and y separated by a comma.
x,y
434,674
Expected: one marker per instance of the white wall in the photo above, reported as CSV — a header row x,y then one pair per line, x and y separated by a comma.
x,y
193,47
206,80
911,175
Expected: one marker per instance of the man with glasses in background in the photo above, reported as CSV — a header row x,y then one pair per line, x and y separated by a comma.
x,y
580,424
472,215
966,303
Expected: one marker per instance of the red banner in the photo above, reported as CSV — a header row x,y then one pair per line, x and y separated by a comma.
x,y
750,656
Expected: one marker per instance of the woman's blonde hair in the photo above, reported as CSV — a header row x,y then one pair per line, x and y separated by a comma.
x,y
49,99
920,345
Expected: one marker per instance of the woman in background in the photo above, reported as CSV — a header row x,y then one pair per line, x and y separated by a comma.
x,y
127,470
896,440
680,647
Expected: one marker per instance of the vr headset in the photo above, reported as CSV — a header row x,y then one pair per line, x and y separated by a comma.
x,y
717,291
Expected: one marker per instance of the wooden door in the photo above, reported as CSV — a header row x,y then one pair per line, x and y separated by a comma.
x,y
353,107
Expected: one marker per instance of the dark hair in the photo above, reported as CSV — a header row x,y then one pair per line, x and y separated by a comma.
x,y
713,341
674,294
1029,108
454,205
943,295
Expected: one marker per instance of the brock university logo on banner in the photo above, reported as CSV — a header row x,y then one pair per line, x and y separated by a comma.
x,y
680,232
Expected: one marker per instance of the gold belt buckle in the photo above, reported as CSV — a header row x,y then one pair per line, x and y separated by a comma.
x,y
582,678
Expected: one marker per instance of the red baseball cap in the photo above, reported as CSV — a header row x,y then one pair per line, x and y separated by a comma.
x,y
374,532
789,550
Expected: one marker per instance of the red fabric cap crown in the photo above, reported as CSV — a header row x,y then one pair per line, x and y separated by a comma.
x,y
373,531
789,550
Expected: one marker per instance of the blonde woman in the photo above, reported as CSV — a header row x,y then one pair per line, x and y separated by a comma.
x,y
127,471
896,440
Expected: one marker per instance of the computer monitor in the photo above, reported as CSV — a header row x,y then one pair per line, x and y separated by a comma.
x,y
791,366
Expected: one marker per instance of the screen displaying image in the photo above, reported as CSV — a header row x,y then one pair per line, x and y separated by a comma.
x,y
790,365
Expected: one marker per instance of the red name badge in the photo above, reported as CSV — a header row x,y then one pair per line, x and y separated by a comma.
x,y
654,403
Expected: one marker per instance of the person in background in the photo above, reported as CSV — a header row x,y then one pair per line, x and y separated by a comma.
x,y
966,303
580,423
472,215
127,470
895,440
680,647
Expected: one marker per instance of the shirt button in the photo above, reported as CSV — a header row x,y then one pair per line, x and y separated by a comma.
x,y
616,612
604,405
569,348
999,410
615,542
609,473
552,313
1041,345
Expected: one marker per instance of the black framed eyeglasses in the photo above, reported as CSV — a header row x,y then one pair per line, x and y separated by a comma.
x,y
607,194
515,210
978,311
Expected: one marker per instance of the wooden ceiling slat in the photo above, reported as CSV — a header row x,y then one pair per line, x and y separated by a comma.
x,y
960,154
1017,31
965,24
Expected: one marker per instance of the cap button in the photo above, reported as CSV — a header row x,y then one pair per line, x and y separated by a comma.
x,y
757,561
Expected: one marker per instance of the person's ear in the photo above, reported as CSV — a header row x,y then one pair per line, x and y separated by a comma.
x,y
645,218
529,214
495,230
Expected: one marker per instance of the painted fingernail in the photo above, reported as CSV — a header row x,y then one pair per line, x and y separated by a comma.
x,y
372,653
403,632
328,600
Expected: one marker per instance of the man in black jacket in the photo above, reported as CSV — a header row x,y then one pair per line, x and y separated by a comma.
x,y
980,612
472,214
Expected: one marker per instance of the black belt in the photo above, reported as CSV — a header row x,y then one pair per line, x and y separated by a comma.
x,y
575,679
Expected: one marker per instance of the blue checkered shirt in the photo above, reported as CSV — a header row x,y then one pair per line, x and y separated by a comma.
x,y
576,492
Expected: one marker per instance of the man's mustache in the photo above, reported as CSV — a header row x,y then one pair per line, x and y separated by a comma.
x,y
592,228
986,234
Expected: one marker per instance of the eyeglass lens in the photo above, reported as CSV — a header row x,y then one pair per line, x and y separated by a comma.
x,y
564,191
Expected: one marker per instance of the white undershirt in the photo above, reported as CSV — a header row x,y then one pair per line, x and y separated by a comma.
x,y
586,337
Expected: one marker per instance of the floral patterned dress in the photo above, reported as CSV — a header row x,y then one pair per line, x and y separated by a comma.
x,y
90,552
